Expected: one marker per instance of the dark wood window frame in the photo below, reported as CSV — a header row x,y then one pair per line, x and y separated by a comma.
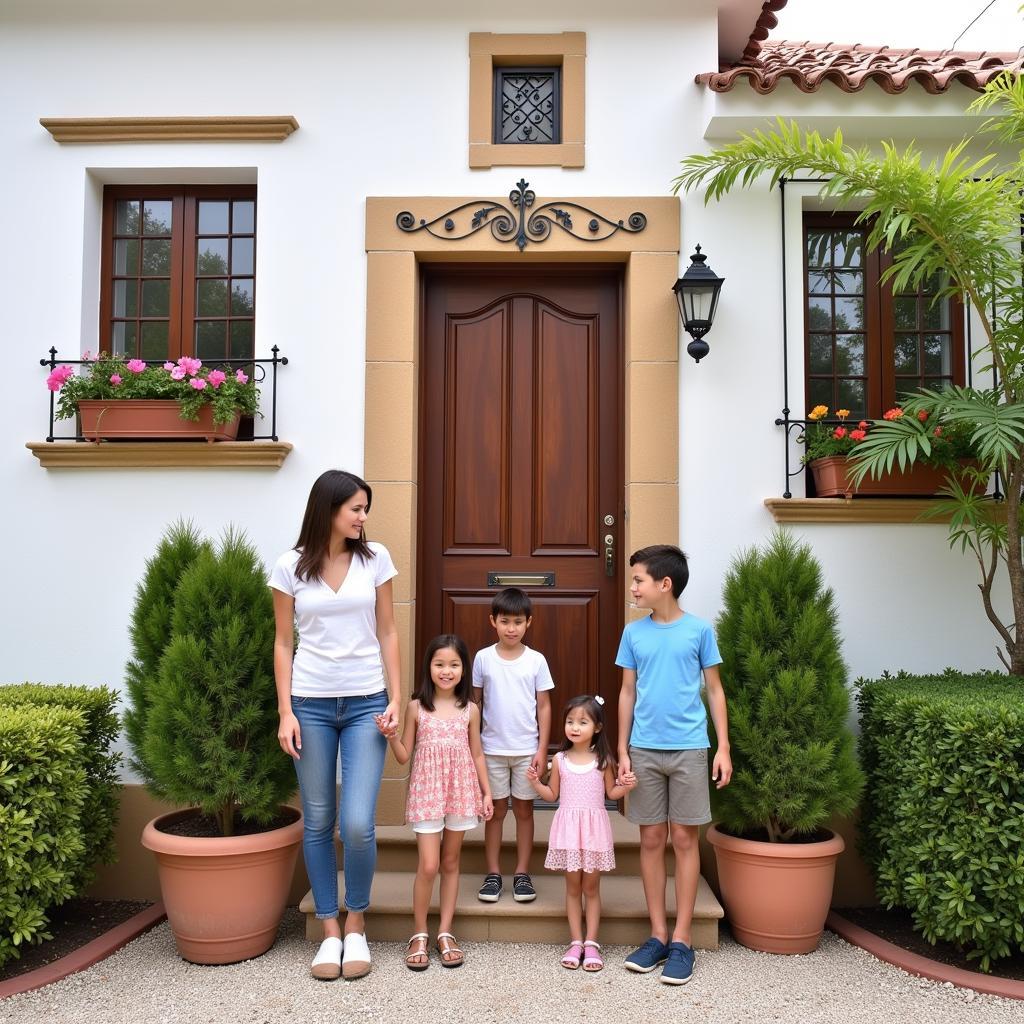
x,y
182,314
881,391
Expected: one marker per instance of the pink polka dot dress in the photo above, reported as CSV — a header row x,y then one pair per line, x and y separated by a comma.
x,y
581,831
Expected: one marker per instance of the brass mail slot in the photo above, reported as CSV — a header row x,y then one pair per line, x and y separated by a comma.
x,y
520,579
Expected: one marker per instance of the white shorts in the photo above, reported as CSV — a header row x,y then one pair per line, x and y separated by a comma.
x,y
452,822
508,775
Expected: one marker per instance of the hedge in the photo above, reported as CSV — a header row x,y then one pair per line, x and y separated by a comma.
x,y
101,724
943,811
43,793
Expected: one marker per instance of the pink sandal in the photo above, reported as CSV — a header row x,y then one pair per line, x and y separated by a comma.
x,y
592,962
571,957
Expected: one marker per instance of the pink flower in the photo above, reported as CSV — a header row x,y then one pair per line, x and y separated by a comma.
x,y
87,356
168,366
240,377
937,432
216,378
189,365
839,432
59,376
863,425
178,373
135,365
198,383
115,379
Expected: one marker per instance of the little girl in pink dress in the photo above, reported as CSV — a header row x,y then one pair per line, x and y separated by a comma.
x,y
448,787
580,843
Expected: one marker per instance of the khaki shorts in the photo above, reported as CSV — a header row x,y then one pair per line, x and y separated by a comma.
x,y
508,775
671,785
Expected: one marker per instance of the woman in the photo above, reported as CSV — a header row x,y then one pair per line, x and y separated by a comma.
x,y
335,588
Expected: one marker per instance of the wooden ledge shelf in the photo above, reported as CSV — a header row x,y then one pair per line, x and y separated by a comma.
x,y
270,128
160,454
852,510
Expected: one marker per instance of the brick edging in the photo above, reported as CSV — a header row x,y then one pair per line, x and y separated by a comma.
x,y
85,956
914,963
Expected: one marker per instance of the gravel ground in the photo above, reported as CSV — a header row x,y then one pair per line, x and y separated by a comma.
x,y
147,983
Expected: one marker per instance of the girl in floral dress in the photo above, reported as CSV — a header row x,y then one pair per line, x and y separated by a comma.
x,y
580,843
448,787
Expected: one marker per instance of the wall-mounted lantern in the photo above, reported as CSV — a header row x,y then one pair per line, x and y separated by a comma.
x,y
697,295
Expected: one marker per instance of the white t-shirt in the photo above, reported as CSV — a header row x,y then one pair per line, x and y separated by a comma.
x,y
510,699
338,655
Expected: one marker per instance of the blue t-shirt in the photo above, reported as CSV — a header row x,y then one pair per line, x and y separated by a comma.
x,y
668,658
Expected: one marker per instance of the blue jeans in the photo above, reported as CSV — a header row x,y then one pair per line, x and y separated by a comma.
x,y
330,724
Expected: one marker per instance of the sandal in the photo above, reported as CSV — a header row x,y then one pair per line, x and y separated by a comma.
x,y
451,955
412,955
592,962
572,956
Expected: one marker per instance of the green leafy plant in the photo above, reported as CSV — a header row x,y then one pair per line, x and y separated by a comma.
x,y
793,755
955,222
43,791
942,822
100,726
187,382
208,718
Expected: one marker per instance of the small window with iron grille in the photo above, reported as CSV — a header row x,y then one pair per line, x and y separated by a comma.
x,y
528,105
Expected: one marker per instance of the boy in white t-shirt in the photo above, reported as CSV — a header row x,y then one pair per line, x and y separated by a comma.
x,y
512,682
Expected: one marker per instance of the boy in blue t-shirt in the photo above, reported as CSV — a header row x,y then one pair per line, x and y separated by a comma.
x,y
663,746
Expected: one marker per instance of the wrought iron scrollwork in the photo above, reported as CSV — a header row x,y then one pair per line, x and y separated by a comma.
x,y
522,221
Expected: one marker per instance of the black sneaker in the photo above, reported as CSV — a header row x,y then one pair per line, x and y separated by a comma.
x,y
523,890
490,891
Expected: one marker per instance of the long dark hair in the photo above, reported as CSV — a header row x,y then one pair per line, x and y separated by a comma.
x,y
329,492
599,744
425,691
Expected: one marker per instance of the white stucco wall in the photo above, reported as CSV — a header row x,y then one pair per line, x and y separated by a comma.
x,y
382,104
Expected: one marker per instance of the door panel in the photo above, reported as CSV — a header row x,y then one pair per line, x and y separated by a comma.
x,y
521,460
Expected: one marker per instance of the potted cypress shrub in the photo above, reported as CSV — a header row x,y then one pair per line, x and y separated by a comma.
x,y
204,735
794,765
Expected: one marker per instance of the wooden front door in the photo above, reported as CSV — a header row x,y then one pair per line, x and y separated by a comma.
x,y
521,479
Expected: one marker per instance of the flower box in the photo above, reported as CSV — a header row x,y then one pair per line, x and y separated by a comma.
x,y
831,480
140,419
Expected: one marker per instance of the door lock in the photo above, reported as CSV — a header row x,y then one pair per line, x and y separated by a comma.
x,y
609,553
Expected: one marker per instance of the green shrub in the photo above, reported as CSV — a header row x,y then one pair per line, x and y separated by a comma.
x,y
943,815
43,791
99,815
211,730
151,626
785,683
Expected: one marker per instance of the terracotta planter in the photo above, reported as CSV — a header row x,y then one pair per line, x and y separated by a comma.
x,y
224,896
141,419
776,895
832,481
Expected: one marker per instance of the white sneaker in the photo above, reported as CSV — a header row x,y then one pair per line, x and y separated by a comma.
x,y
356,961
327,963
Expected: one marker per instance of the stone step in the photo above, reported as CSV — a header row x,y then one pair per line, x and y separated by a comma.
x,y
396,847
623,912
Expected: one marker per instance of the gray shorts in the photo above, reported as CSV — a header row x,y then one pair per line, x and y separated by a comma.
x,y
671,785
507,775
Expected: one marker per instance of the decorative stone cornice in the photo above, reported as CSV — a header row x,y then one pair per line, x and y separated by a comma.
x,y
160,454
170,129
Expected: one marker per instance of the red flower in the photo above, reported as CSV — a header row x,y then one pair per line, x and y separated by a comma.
x,y
839,432
922,415
858,435
893,414
937,432
863,425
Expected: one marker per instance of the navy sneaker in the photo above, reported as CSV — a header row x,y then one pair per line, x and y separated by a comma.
x,y
679,965
647,957
523,890
490,891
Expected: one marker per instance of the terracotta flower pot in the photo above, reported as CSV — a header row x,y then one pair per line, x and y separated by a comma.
x,y
141,419
224,896
776,895
831,480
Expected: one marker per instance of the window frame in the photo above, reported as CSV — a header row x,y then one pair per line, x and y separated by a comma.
x,y
181,315
500,73
880,390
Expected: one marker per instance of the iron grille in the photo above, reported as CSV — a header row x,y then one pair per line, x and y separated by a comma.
x,y
528,105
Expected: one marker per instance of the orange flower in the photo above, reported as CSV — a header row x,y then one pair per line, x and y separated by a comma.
x,y
842,413
893,414
922,415
818,412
